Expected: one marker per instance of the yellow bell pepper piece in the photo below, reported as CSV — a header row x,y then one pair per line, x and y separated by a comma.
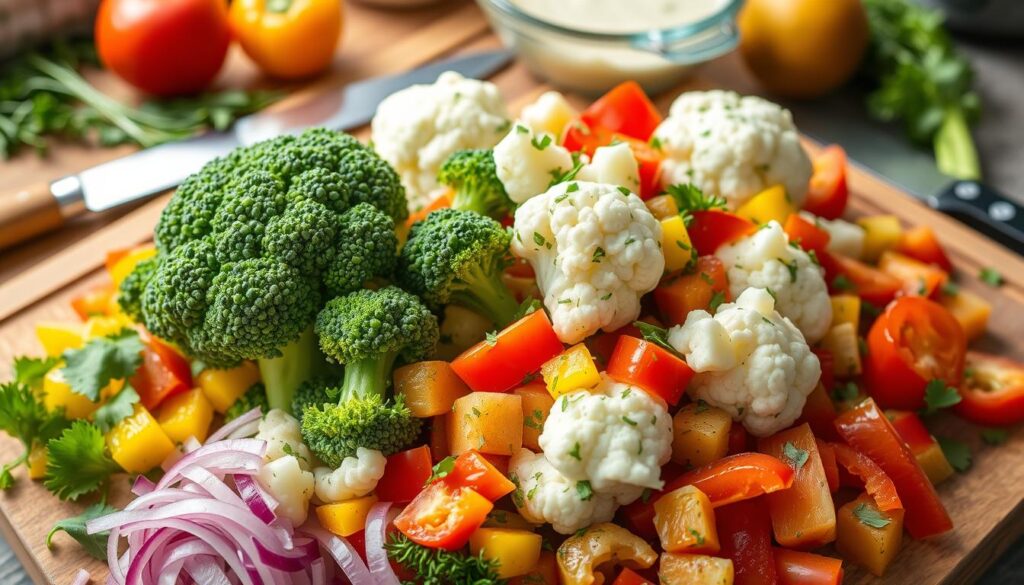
x,y
346,518
103,326
137,443
185,415
571,370
675,243
57,393
846,309
841,341
970,310
772,204
870,547
37,462
57,337
223,387
662,206
123,267
934,464
517,551
881,233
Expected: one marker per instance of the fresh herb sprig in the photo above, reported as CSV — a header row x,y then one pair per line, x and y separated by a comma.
x,y
24,417
441,567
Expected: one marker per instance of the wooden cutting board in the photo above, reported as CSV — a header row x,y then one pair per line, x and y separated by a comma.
x,y
985,503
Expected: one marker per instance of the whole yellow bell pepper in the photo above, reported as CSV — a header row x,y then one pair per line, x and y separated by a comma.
x,y
288,38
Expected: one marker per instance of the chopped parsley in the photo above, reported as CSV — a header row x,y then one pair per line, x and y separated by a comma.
x,y
957,453
796,456
584,490
991,277
870,516
937,395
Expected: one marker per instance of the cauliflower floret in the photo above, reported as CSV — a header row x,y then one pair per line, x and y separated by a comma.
x,y
354,478
283,435
763,375
596,249
543,495
290,485
417,128
613,165
616,436
527,162
767,260
843,237
732,146
550,113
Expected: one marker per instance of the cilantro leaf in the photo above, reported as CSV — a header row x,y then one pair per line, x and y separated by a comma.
x,y
796,456
30,371
94,544
442,469
529,305
656,335
89,369
690,198
78,462
118,408
957,452
23,416
994,436
991,277
937,395
870,516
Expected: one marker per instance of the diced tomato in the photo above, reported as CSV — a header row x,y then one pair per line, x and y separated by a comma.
x,y
648,161
712,229
650,367
405,474
473,470
625,109
827,192
520,268
519,350
737,477
878,485
627,577
745,533
918,278
867,282
677,296
602,345
95,301
829,464
806,234
913,342
442,516
163,373
804,568
867,430
820,413
911,429
993,393
921,244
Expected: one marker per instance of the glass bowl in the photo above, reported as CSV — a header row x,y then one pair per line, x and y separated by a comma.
x,y
593,62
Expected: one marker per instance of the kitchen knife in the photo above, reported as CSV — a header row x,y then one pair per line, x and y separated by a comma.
x,y
45,206
885,151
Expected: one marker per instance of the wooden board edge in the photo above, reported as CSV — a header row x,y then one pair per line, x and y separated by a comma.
x,y
21,551
981,558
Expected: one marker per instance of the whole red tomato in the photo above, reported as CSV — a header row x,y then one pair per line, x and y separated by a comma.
x,y
163,47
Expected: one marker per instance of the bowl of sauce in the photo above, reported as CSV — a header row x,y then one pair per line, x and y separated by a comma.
x,y
591,45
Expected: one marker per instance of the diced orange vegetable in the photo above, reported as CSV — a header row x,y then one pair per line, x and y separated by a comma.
x,y
95,301
872,547
677,296
772,204
570,371
920,243
442,198
676,245
439,437
429,388
934,464
185,415
537,404
685,521
970,310
802,516
56,337
841,342
489,422
137,443
918,278
346,518
795,567
700,434
545,572
828,462
516,551
820,413
662,206
687,569
507,519
223,387
881,233
846,309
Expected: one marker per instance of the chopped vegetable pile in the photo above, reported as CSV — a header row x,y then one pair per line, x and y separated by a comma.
x,y
589,353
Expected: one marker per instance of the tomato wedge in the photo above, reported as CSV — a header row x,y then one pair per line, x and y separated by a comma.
x,y
993,393
921,244
442,516
803,568
714,228
405,474
625,109
913,342
163,373
650,367
827,192
867,430
474,471
737,477
918,278
745,533
518,351
876,482
806,234
867,282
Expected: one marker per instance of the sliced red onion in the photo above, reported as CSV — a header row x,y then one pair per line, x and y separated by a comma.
x,y
319,570
227,430
142,485
256,498
344,554
81,577
236,456
376,555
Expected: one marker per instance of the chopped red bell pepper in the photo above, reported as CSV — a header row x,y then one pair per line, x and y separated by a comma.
x,y
405,474
714,228
518,351
625,109
474,471
164,372
650,367
803,568
827,192
745,533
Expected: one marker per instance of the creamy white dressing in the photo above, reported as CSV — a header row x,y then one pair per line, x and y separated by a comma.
x,y
619,16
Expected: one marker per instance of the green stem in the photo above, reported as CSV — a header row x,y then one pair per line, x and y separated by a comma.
x,y
955,153
301,360
484,293
367,377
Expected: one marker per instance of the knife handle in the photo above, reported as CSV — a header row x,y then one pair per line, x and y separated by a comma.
x,y
986,210
28,212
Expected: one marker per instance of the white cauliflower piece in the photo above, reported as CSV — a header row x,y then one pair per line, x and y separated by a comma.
x,y
596,249
616,436
843,237
763,376
290,485
732,146
526,162
766,259
283,435
613,165
543,495
550,113
354,478
417,128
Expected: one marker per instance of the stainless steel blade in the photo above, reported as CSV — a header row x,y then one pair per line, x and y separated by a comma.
x,y
157,169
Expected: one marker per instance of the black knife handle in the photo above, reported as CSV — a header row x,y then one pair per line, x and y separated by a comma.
x,y
984,209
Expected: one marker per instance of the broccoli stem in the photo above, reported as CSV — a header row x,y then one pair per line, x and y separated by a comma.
x,y
301,361
464,201
367,377
955,153
483,292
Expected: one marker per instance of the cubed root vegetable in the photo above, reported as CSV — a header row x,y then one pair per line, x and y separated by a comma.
x,y
841,342
662,206
700,434
489,422
846,309
687,569
772,204
685,521
439,437
537,404
934,464
516,551
346,518
570,371
429,388
867,536
137,443
677,296
803,568
970,310
224,387
186,415
881,233
545,572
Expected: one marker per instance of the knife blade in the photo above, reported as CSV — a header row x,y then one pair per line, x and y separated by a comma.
x,y
151,171
883,150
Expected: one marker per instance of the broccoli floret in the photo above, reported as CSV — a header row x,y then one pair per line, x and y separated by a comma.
x,y
456,257
250,246
368,331
473,177
129,294
316,392
255,396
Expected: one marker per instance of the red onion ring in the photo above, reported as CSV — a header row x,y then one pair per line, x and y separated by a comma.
x,y
376,555
227,430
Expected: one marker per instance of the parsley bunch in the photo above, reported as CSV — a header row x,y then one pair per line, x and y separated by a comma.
x,y
441,567
23,416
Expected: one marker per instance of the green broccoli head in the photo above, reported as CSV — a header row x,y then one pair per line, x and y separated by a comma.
x,y
457,257
316,392
129,294
335,431
251,244
473,177
255,396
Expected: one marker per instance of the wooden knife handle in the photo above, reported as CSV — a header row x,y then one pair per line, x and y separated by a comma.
x,y
26,213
